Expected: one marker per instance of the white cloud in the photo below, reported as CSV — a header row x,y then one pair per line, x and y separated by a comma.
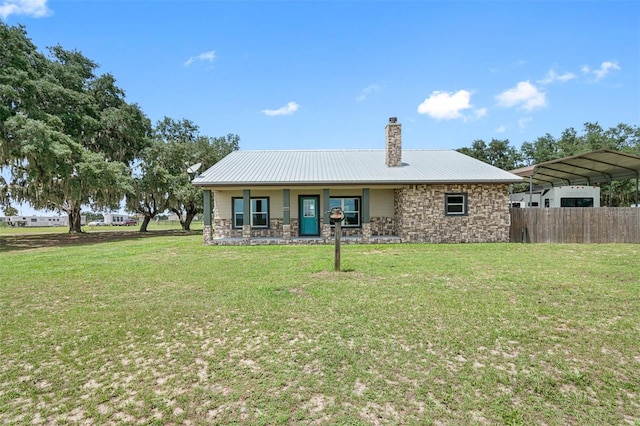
x,y
34,8
204,56
445,105
525,95
553,77
501,129
524,122
601,72
289,109
480,112
369,90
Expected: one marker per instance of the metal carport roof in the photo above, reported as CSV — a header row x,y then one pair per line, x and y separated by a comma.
x,y
603,165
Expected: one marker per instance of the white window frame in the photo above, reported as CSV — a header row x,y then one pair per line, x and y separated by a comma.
x,y
357,212
237,213
455,207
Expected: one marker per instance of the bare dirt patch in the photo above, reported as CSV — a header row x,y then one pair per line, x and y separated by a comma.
x,y
37,241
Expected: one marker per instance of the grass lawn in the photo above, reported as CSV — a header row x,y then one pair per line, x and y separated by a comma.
x,y
165,330
153,226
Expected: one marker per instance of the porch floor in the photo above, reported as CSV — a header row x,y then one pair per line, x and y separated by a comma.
x,y
259,241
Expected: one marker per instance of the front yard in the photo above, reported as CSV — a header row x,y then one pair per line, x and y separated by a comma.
x,y
164,330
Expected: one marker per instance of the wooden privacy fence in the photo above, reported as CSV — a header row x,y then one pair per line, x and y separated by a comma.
x,y
575,225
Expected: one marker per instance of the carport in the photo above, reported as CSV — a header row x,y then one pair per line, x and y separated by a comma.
x,y
600,166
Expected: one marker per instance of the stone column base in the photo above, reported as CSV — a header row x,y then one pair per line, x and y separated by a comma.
x,y
207,233
286,232
366,232
326,232
246,232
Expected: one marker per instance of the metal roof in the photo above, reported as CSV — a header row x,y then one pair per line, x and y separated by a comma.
x,y
340,167
603,165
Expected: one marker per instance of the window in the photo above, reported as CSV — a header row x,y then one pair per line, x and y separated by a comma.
x,y
351,208
576,202
309,208
455,204
259,212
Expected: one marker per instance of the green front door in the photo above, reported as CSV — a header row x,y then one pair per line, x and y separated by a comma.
x,y
309,206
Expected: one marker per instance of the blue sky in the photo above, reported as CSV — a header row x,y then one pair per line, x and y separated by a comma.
x,y
329,74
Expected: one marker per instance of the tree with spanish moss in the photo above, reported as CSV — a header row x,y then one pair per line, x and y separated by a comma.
x,y
68,138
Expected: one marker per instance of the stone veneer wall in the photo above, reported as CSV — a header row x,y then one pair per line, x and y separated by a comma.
x,y
383,226
393,136
380,226
419,217
223,229
419,210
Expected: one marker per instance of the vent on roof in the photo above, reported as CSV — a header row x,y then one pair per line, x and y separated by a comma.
x,y
393,133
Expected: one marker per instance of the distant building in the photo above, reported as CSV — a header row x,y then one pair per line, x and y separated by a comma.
x,y
38,221
117,219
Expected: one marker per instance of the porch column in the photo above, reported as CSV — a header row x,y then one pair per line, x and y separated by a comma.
x,y
326,224
286,214
246,215
366,219
208,229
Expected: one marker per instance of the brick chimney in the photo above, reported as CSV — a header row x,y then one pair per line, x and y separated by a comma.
x,y
393,133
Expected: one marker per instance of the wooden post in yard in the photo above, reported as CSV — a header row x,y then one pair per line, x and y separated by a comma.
x,y
338,234
337,215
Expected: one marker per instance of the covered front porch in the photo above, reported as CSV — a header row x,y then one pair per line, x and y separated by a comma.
x,y
297,216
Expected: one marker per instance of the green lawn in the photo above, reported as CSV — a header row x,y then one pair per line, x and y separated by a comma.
x,y
153,226
165,330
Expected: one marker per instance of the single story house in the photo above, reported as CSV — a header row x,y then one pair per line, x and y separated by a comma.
x,y
387,195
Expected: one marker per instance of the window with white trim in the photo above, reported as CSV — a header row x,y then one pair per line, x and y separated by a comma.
x,y
259,212
455,204
351,206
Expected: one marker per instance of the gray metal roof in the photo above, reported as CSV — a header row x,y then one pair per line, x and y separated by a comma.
x,y
343,167
603,165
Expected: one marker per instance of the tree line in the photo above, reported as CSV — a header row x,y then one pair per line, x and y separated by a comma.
x,y
623,137
68,139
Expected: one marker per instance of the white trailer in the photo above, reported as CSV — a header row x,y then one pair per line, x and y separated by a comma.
x,y
39,221
559,196
116,219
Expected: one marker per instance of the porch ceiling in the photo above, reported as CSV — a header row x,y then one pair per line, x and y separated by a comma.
x,y
598,166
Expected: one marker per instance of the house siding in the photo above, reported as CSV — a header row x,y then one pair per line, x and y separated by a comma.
x,y
420,214
415,213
